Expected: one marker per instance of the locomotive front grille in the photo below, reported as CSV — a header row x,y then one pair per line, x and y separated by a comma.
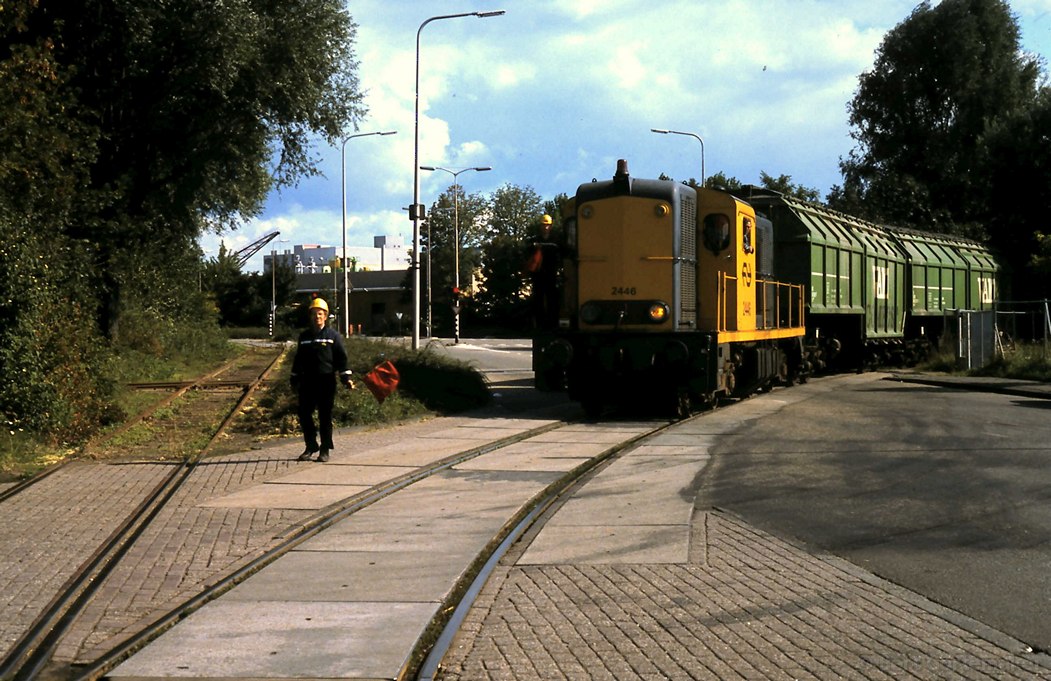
x,y
688,269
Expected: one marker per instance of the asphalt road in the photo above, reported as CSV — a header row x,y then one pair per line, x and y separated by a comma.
x,y
507,364
945,492
492,355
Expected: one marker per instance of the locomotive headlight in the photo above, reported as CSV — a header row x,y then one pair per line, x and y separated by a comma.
x,y
658,312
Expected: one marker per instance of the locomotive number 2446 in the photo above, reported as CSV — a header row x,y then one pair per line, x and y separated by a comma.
x,y
622,291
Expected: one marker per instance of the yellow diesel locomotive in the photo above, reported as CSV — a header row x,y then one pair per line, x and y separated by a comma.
x,y
668,300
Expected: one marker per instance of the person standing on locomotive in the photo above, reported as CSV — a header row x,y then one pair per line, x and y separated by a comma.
x,y
320,359
544,264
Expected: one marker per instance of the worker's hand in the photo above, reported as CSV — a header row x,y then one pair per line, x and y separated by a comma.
x,y
349,384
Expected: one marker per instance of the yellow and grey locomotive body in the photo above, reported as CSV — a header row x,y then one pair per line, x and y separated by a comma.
x,y
668,299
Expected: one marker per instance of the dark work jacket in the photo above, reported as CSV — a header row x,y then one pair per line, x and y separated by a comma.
x,y
320,353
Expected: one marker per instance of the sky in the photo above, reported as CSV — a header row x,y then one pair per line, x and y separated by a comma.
x,y
553,92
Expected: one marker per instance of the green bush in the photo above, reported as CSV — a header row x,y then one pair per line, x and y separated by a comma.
x,y
441,383
429,383
150,347
52,380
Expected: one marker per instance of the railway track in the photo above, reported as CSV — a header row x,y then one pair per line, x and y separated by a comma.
x,y
96,635
67,530
192,415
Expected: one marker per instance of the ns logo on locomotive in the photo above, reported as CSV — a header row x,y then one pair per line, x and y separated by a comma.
x,y
676,296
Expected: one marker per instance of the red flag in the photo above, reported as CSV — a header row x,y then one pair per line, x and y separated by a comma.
x,y
535,260
382,380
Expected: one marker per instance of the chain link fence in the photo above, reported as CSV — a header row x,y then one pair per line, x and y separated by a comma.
x,y
979,336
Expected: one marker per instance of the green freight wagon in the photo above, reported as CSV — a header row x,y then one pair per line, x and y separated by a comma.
x,y
854,272
945,273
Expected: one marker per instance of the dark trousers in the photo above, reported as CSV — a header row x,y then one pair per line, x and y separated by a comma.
x,y
317,393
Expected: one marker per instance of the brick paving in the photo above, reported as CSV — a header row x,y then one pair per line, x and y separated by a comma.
x,y
746,605
52,527
184,548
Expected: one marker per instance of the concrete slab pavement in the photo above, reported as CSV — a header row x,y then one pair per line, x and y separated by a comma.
x,y
374,580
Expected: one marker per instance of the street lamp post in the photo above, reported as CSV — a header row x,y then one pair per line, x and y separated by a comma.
x,y
416,210
273,289
430,245
456,238
343,185
273,286
427,221
688,134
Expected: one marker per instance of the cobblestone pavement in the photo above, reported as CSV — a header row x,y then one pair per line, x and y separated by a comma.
x,y
182,550
52,527
746,605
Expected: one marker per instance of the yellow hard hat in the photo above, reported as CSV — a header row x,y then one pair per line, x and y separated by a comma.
x,y
318,302
545,220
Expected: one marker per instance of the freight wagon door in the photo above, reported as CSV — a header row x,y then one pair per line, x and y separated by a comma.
x,y
885,286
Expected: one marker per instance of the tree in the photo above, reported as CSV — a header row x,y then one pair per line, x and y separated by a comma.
x,y
439,246
244,299
51,365
198,109
719,180
941,77
513,224
784,185
131,126
1016,163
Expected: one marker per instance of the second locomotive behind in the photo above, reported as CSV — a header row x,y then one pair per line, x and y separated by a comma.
x,y
674,296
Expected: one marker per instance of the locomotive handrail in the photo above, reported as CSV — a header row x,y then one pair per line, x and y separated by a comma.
x,y
794,307
720,299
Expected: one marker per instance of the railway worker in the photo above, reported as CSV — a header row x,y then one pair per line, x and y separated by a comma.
x,y
320,359
544,263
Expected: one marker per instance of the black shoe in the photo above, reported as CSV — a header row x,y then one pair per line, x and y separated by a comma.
x,y
323,456
305,456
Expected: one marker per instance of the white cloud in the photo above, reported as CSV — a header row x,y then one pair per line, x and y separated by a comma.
x,y
510,75
1031,8
553,92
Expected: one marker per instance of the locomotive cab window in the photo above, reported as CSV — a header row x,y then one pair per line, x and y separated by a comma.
x,y
716,232
746,236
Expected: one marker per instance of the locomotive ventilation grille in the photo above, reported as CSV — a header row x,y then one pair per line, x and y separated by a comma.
x,y
688,264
